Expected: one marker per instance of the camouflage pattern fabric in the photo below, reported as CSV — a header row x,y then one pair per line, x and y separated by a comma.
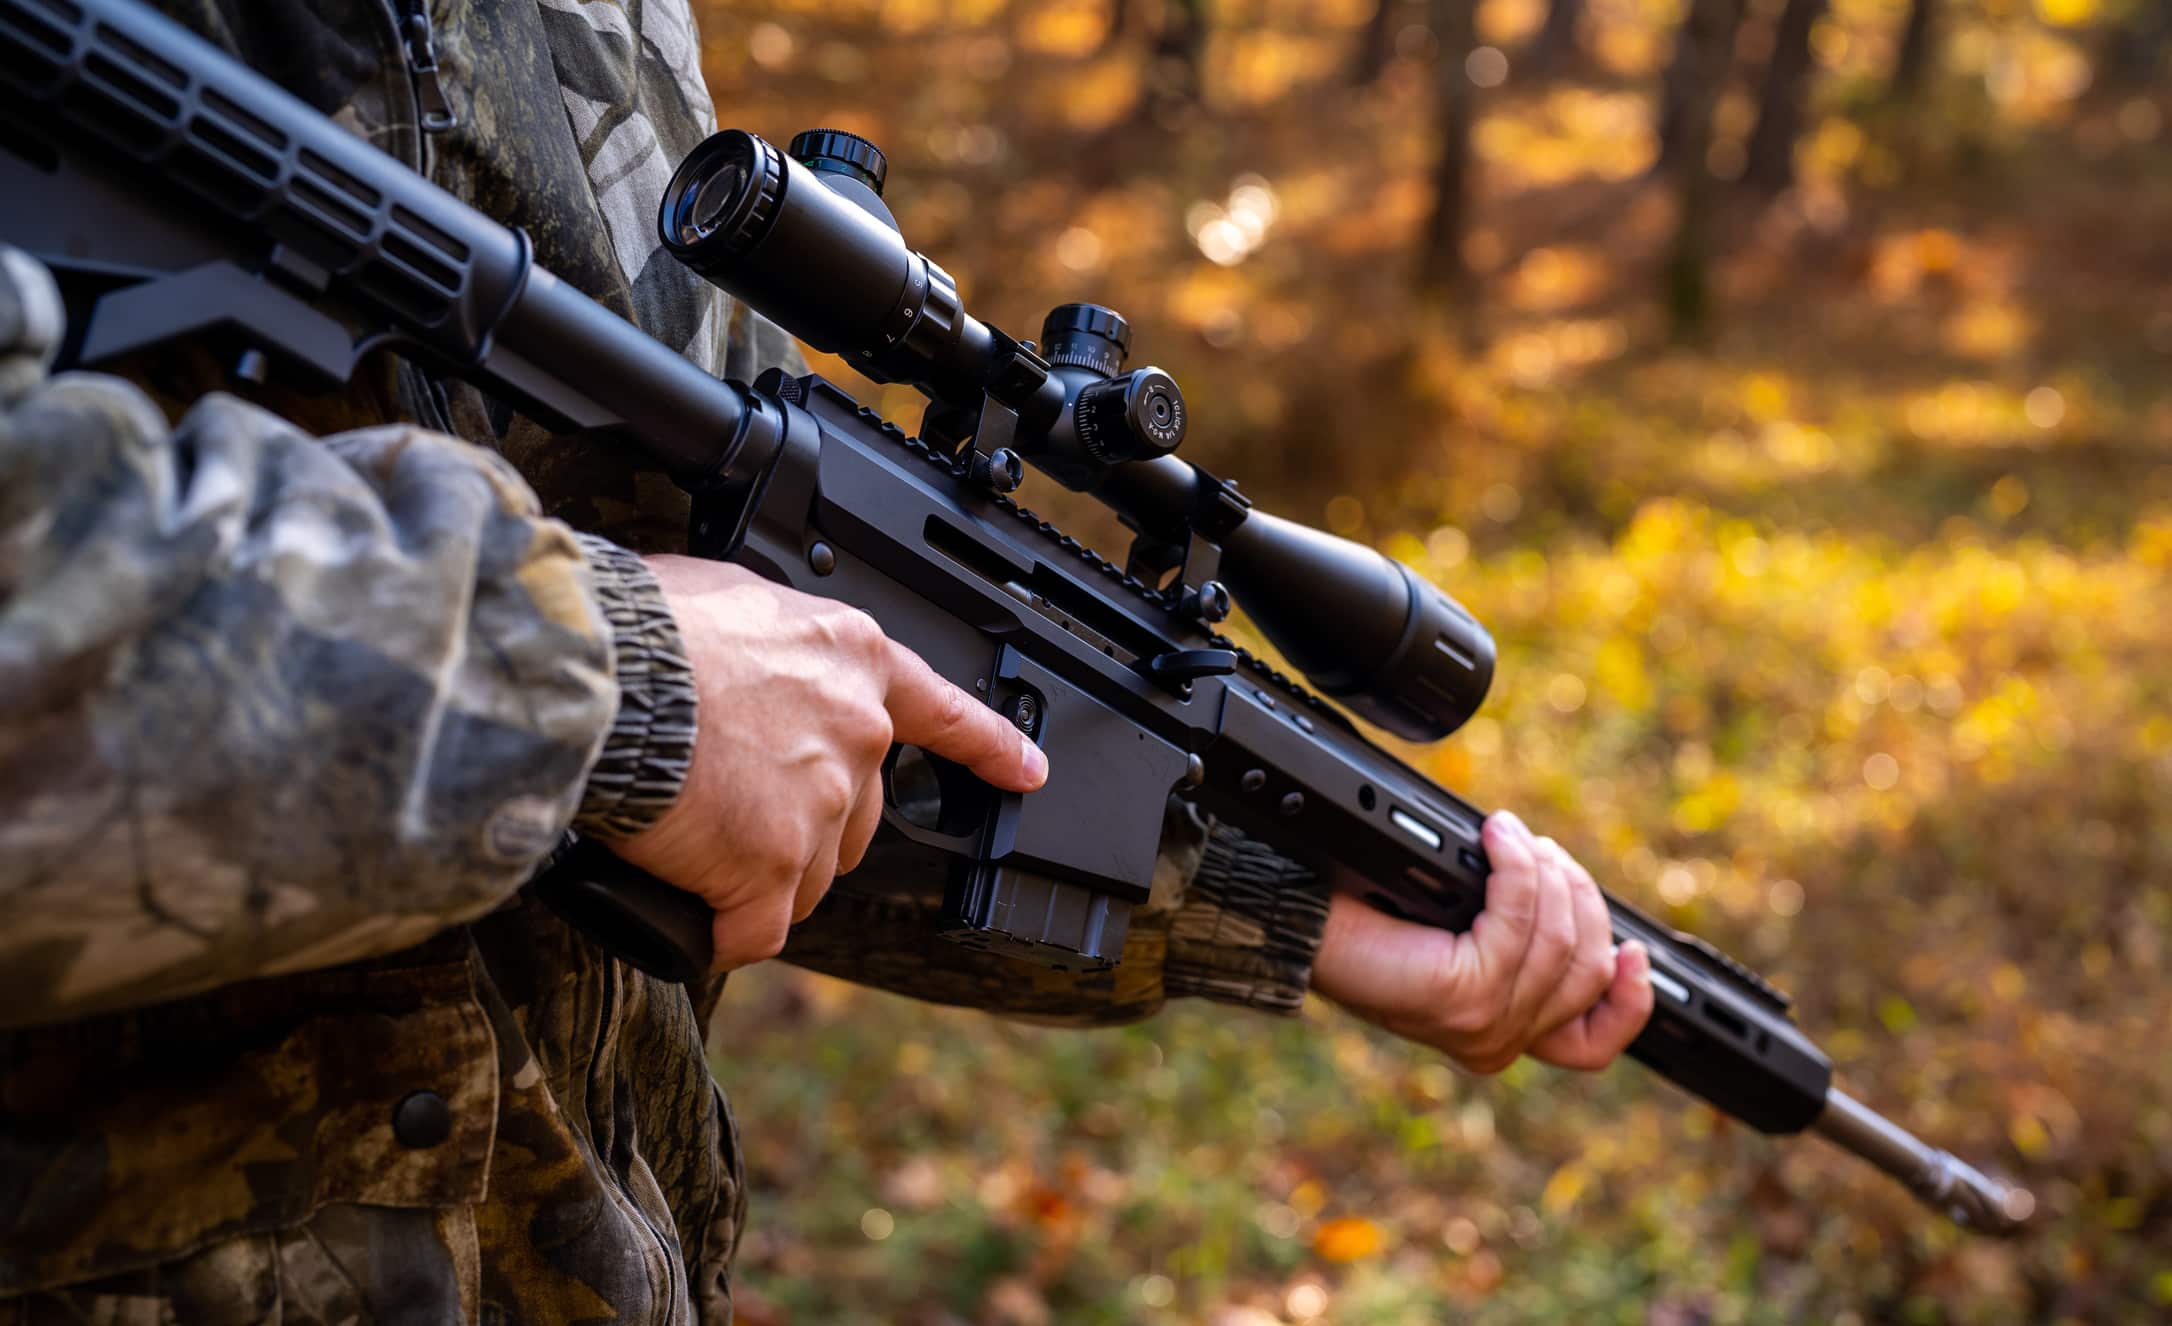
x,y
497,1123
224,756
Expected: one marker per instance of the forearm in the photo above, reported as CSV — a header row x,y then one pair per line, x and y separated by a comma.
x,y
268,703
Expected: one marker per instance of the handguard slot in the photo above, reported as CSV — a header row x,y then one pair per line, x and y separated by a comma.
x,y
1726,1021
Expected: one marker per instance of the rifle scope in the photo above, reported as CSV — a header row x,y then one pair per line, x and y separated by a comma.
x,y
805,238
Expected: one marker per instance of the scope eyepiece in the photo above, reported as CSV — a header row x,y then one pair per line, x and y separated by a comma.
x,y
722,200
812,246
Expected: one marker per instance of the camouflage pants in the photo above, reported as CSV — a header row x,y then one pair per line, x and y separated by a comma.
x,y
498,1126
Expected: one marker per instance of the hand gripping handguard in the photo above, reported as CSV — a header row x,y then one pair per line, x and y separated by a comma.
x,y
178,194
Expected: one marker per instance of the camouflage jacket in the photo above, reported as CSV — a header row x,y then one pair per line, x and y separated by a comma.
x,y
284,724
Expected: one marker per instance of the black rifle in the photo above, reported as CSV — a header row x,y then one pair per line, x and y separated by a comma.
x,y
179,194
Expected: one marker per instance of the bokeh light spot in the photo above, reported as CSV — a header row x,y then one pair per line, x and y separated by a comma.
x,y
1881,771
2045,407
1486,66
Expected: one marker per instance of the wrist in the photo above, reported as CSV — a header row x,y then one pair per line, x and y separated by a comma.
x,y
649,751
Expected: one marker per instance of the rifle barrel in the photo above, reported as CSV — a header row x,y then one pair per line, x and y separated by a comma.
x,y
1943,1182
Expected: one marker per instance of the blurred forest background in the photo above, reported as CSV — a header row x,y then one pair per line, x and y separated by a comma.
x,y
1780,381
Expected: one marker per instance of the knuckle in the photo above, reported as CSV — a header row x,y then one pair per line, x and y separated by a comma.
x,y
868,729
1464,1021
853,629
953,709
852,852
832,793
1589,962
1588,979
775,851
750,938
768,939
1485,1049
1556,936
1589,1058
863,627
1511,866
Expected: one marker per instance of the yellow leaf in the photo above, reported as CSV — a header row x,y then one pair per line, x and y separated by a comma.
x,y
1562,1190
1307,1198
1765,395
2029,1135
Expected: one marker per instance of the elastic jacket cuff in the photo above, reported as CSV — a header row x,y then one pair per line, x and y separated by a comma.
x,y
651,743
1249,926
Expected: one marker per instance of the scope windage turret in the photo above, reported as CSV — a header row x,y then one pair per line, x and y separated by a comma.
x,y
1114,417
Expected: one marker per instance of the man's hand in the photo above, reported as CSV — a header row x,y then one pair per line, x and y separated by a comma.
x,y
801,698
1537,972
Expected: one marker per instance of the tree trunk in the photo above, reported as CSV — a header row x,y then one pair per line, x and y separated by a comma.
x,y
1914,60
1701,54
2131,54
1440,254
1119,22
1176,69
1376,45
1703,50
1771,162
1557,43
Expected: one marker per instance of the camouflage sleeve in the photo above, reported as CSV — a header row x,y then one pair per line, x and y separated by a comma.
x,y
268,703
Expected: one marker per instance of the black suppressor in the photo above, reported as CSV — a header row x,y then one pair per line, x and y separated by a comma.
x,y
805,238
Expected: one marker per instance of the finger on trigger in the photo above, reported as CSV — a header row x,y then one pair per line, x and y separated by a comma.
x,y
931,713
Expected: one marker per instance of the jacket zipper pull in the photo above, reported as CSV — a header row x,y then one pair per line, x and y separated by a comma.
x,y
420,43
